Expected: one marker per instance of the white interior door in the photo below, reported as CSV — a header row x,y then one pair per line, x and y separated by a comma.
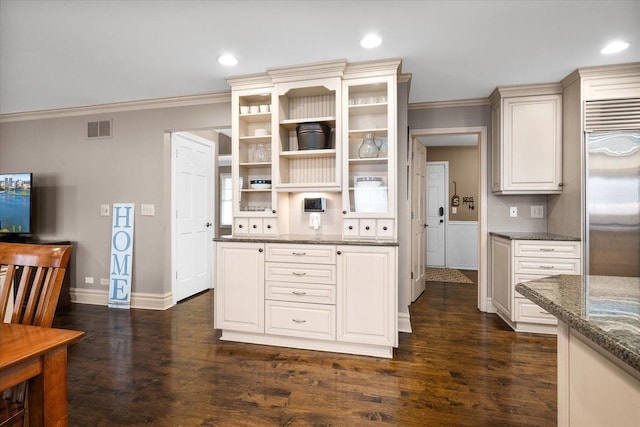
x,y
418,218
437,178
193,171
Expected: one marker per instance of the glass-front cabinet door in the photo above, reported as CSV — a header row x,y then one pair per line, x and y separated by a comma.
x,y
369,135
252,171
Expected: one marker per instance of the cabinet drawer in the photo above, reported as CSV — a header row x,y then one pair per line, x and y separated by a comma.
x,y
303,273
240,226
308,254
546,267
301,292
526,311
521,278
351,228
255,226
270,226
384,228
547,249
300,320
367,228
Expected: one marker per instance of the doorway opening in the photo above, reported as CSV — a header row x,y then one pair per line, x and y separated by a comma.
x,y
197,157
465,236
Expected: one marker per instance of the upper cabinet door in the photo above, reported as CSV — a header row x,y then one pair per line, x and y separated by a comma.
x,y
527,145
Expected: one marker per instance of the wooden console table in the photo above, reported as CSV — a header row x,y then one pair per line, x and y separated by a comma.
x,y
39,355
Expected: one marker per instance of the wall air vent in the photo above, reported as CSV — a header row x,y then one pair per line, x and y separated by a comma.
x,y
100,129
612,114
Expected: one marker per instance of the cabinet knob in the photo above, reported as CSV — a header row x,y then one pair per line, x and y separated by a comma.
x,y
351,227
344,212
260,250
240,226
367,228
255,226
269,226
339,252
273,211
384,228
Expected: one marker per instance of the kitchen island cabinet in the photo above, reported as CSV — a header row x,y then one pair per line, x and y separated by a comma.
x,y
322,294
520,257
598,346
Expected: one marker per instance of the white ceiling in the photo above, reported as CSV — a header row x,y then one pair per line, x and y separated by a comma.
x,y
56,54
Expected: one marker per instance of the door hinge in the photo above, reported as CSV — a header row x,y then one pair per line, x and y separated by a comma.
x,y
411,215
413,155
412,275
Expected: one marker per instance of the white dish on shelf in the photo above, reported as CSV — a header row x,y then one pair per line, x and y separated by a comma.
x,y
261,132
260,186
368,181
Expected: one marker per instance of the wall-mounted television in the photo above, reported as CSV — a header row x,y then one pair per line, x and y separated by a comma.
x,y
15,204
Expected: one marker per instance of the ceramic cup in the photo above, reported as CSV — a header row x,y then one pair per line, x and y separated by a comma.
x,y
254,109
244,109
264,108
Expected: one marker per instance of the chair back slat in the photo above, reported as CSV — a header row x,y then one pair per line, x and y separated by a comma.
x,y
39,271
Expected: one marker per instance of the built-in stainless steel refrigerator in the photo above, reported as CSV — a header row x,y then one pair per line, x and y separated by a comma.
x,y
612,199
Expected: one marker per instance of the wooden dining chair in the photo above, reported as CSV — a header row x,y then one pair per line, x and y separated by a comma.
x,y
30,290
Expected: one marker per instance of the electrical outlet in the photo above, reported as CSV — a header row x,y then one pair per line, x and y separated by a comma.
x,y
104,281
88,280
513,211
537,211
104,210
454,210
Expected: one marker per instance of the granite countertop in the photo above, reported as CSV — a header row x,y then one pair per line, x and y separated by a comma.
x,y
604,309
308,239
523,235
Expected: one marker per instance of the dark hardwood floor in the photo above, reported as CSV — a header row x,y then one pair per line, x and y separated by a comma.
x,y
459,367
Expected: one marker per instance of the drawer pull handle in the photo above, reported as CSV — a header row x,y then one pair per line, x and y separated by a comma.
x,y
299,320
547,267
298,293
299,274
299,253
547,249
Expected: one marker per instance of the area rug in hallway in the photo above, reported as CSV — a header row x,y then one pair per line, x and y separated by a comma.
x,y
448,275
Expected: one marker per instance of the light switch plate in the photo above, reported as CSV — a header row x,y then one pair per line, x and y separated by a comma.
x,y
513,211
147,210
104,210
537,211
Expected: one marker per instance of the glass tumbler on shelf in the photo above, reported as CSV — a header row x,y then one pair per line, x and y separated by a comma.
x,y
368,149
261,153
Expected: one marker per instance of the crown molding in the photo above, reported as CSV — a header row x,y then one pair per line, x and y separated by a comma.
x,y
449,104
149,104
308,71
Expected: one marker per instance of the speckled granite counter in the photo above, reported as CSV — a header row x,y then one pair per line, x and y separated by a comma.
x,y
521,235
604,309
308,240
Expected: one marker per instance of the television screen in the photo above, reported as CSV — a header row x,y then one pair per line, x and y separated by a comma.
x,y
15,203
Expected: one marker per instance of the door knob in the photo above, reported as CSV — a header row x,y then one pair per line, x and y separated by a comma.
x,y
208,224
441,211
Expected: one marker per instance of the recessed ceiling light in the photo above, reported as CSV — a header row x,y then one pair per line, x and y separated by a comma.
x,y
370,41
614,47
228,60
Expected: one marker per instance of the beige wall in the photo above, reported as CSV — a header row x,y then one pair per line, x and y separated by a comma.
x,y
73,176
463,169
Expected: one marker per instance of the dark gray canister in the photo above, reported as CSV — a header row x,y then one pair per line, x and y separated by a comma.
x,y
313,136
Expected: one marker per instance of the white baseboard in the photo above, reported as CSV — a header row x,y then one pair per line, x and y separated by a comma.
x,y
404,322
138,299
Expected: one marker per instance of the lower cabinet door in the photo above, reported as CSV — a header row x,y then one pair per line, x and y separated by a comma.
x,y
367,295
239,293
303,320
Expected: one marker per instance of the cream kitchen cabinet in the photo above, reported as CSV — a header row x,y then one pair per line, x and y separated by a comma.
x,y
369,188
526,139
515,261
367,295
327,297
239,292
